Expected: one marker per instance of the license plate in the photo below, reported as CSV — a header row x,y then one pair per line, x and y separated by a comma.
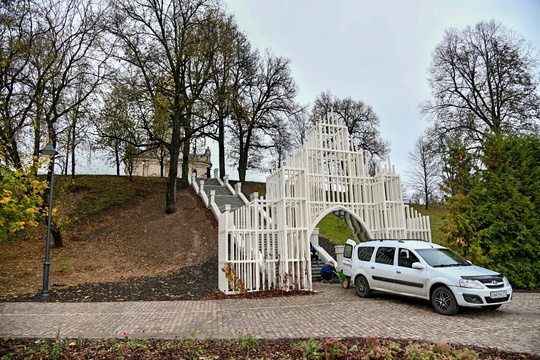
x,y
497,294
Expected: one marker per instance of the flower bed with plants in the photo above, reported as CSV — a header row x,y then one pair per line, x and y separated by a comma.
x,y
245,346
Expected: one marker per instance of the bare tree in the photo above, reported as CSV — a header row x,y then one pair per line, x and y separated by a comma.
x,y
171,44
360,119
70,65
299,124
234,66
16,105
120,124
424,171
53,65
269,94
483,80
281,143
76,132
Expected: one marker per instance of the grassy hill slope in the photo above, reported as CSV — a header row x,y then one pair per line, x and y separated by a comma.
x,y
116,229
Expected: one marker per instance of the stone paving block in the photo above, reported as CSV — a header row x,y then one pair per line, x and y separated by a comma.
x,y
332,312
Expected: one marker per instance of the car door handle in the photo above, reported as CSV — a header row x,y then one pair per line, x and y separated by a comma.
x,y
373,267
399,272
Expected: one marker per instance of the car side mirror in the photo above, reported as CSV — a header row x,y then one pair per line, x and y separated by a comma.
x,y
417,266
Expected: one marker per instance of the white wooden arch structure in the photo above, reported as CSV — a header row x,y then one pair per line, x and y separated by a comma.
x,y
265,244
357,226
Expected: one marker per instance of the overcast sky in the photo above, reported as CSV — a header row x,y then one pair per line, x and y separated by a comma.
x,y
374,51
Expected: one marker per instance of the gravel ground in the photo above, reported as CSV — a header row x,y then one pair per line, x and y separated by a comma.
x,y
189,283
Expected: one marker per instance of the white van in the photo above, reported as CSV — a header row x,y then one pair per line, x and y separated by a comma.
x,y
423,270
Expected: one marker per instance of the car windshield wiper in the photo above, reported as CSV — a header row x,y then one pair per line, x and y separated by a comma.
x,y
448,265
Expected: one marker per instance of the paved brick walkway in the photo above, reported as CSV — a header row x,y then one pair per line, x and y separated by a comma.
x,y
333,311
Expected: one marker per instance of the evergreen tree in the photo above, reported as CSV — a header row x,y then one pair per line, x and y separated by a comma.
x,y
494,218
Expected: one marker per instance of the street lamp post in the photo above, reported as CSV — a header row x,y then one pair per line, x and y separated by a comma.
x,y
48,150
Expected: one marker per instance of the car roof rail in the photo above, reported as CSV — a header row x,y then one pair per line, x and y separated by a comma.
x,y
398,240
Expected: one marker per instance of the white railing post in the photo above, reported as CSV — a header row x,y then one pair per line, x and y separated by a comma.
x,y
227,185
339,256
223,247
195,185
238,192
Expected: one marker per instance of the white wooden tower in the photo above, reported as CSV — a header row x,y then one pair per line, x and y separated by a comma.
x,y
265,244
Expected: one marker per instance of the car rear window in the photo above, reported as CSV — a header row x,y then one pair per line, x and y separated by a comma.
x,y
347,251
364,253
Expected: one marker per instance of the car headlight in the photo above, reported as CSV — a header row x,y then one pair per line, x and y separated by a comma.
x,y
506,282
468,283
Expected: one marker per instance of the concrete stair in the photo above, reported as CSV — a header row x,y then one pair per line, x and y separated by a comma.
x,y
316,266
223,195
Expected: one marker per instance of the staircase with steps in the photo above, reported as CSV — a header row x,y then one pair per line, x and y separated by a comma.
x,y
355,227
316,266
223,195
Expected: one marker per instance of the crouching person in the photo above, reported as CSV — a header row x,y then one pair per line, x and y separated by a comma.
x,y
328,272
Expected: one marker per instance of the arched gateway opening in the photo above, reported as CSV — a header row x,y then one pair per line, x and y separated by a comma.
x,y
266,243
328,237
358,229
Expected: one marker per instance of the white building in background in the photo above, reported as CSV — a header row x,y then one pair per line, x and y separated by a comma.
x,y
148,165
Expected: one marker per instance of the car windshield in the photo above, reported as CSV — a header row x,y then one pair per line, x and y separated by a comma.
x,y
442,257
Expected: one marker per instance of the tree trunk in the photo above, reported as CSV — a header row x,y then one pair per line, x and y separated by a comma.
x,y
170,197
161,167
184,184
66,159
14,153
426,195
243,158
73,136
57,234
221,145
242,168
66,163
37,127
117,160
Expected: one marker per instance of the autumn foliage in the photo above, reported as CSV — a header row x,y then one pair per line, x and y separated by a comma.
x,y
21,198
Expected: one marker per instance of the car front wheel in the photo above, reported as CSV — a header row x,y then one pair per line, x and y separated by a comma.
x,y
362,287
443,301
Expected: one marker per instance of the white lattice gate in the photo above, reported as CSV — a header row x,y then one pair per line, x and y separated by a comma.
x,y
265,244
